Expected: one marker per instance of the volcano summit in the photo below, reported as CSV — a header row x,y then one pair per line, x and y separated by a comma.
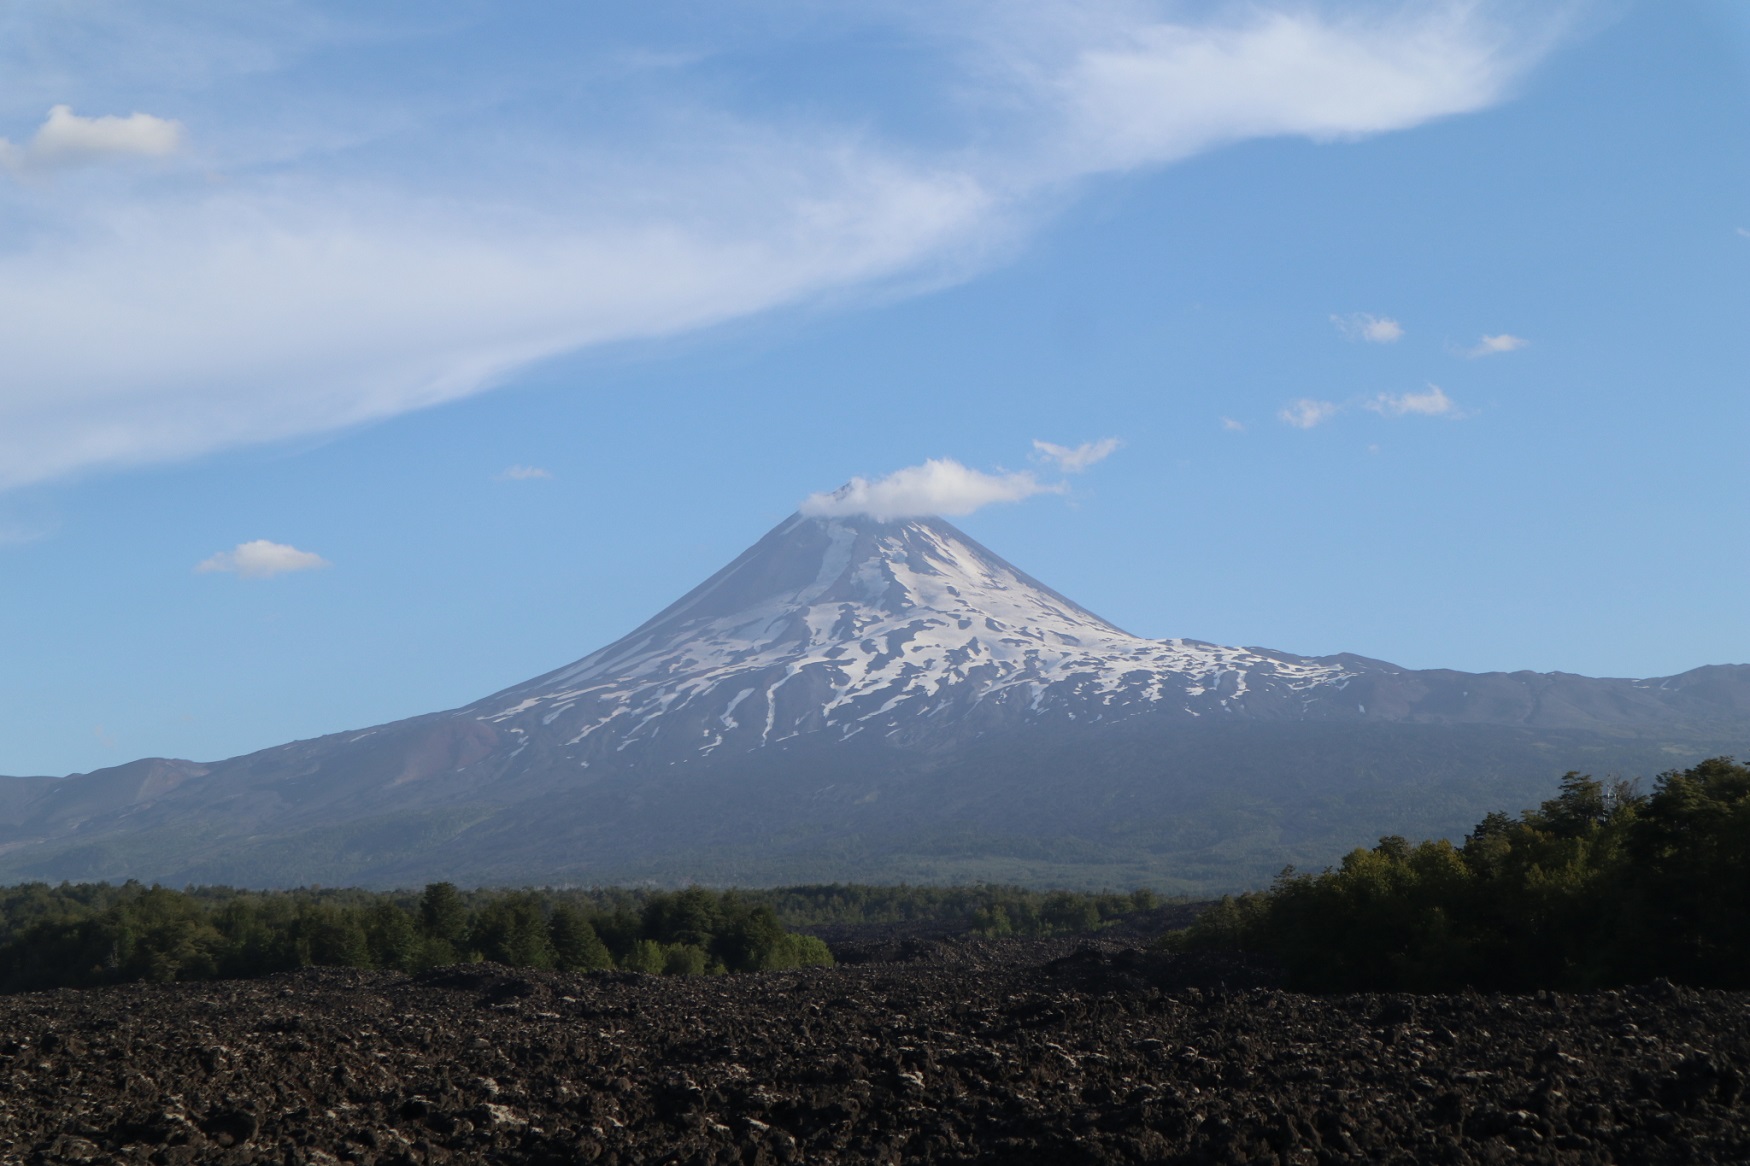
x,y
910,631
858,699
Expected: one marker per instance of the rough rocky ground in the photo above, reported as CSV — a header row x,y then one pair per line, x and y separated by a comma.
x,y
921,1050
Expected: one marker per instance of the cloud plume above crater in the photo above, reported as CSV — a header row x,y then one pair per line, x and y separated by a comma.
x,y
940,486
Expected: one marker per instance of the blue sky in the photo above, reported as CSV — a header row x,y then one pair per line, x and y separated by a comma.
x,y
359,366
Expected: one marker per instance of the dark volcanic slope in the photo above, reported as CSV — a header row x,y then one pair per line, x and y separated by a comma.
x,y
975,1053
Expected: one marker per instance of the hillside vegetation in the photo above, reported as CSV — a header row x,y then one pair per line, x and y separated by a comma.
x,y
1601,885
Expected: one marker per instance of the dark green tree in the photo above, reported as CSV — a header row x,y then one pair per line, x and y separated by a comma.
x,y
576,946
691,916
1688,915
331,935
443,915
512,929
391,937
1599,885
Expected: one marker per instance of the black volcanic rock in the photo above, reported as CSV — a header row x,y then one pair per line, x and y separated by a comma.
x,y
967,1052
859,699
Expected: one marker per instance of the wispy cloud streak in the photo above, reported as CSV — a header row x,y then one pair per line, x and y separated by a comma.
x,y
1075,459
278,277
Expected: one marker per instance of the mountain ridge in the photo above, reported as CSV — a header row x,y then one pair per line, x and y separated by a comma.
x,y
903,659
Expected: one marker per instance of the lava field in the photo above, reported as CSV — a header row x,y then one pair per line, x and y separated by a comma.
x,y
923,1050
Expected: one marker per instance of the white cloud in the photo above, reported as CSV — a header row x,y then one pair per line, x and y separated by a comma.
x,y
1073,460
1232,426
1432,403
1491,345
261,559
524,474
66,139
1744,231
187,328
1148,91
1306,412
335,261
1373,329
939,486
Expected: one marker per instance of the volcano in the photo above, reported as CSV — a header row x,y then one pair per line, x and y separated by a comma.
x,y
910,631
862,699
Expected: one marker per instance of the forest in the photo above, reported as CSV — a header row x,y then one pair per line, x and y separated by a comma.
x,y
78,935
88,934
1602,885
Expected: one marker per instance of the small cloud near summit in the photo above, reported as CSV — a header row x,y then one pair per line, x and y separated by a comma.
x,y
1073,460
944,486
1368,327
939,486
261,559
524,474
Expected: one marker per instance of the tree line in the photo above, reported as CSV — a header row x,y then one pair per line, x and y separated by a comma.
x,y
78,935
1601,885
986,909
83,934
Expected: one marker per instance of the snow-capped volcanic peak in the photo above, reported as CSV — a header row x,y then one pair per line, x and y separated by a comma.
x,y
845,624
